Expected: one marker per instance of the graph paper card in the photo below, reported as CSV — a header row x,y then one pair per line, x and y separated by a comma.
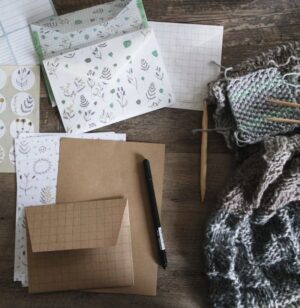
x,y
16,46
79,246
188,51
37,157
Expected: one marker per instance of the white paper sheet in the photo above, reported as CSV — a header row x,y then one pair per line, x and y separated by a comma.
x,y
16,46
37,158
188,51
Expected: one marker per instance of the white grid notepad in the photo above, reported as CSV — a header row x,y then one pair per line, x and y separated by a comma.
x,y
188,51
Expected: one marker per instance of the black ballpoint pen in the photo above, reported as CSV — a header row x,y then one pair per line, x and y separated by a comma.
x,y
155,216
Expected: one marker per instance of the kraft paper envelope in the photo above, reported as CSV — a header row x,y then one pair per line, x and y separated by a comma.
x,y
79,246
90,169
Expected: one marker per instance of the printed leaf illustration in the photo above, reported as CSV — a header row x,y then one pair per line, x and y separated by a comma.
x,y
97,53
2,154
83,101
144,65
22,78
79,84
68,91
131,78
106,74
46,195
27,105
24,147
151,93
127,43
106,116
159,74
52,66
121,97
25,179
69,55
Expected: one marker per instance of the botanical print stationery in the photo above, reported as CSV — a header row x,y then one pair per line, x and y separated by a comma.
x,y
109,82
37,158
62,34
19,108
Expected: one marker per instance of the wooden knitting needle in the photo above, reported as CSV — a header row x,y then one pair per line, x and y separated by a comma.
x,y
203,170
283,103
283,120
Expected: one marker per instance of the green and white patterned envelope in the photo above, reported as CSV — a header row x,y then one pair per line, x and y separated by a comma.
x,y
103,65
19,108
61,34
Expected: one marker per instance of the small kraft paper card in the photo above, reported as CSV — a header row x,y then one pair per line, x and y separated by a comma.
x,y
82,245
19,108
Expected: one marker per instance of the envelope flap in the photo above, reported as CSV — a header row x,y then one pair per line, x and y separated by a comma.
x,y
69,226
64,33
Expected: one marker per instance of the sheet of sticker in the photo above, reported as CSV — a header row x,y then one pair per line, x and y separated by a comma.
x,y
19,108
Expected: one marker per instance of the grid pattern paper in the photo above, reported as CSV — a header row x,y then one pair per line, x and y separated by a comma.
x,y
16,47
188,51
73,228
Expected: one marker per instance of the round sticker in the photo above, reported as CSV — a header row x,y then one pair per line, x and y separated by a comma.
x,y
2,154
23,79
21,125
2,78
2,128
2,103
12,156
22,104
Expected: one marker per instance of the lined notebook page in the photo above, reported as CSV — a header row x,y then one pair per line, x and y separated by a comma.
x,y
188,51
16,45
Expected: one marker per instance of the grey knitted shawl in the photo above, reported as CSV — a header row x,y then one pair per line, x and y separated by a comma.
x,y
253,240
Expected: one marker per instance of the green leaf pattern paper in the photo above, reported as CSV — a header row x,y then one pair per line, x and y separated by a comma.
x,y
108,82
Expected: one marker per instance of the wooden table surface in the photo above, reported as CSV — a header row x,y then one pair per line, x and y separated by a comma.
x,y
249,27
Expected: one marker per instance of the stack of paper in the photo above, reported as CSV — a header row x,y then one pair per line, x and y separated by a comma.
x,y
83,242
103,65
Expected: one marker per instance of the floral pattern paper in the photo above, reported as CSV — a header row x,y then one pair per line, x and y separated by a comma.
x,y
19,108
37,158
109,82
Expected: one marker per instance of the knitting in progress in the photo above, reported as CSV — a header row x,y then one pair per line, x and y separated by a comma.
x,y
241,96
253,240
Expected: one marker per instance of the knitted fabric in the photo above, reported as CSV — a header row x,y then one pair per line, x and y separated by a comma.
x,y
253,241
240,98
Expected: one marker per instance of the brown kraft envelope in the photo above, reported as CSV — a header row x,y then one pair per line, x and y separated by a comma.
x,y
93,169
73,246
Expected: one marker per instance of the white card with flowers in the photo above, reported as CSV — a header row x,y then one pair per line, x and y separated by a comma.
x,y
110,81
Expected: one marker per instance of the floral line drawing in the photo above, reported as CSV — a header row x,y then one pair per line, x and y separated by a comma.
x,y
52,67
68,113
69,55
144,65
159,73
46,195
131,78
68,92
42,166
105,116
121,97
79,84
25,178
88,115
22,78
97,53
